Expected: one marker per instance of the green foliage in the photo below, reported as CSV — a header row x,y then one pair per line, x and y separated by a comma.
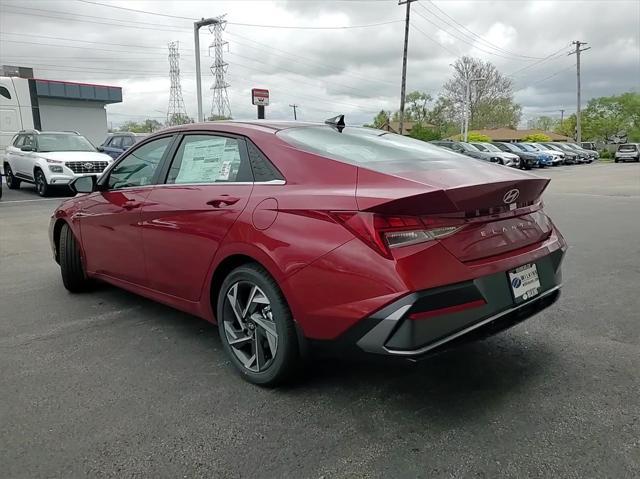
x,y
218,118
380,119
416,108
421,132
473,136
146,126
536,137
567,127
614,116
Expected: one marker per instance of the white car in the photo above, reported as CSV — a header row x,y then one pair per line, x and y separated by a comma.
x,y
508,159
50,159
557,157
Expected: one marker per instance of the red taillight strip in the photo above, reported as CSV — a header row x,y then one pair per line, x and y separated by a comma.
x,y
448,310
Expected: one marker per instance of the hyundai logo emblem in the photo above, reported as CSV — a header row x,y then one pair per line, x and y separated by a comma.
x,y
511,195
88,166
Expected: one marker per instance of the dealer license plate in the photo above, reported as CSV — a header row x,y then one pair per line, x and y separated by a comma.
x,y
525,283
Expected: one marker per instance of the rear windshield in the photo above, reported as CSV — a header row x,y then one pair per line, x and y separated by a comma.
x,y
365,147
627,148
63,142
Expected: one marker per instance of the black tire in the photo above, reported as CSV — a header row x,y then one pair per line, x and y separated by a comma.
x,y
616,160
73,276
12,182
285,364
42,187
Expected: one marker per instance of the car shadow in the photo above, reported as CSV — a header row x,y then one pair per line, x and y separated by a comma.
x,y
470,379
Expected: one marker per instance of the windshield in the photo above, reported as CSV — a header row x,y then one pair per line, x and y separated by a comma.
x,y
564,147
539,147
487,147
365,146
469,147
526,147
48,142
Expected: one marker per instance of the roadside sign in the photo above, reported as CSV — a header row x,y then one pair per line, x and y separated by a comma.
x,y
260,97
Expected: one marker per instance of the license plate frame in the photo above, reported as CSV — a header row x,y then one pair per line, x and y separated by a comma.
x,y
524,282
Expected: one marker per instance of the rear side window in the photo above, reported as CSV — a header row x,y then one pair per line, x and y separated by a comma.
x,y
139,167
209,159
262,168
5,93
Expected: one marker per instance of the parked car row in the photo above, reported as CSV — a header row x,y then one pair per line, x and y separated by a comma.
x,y
523,155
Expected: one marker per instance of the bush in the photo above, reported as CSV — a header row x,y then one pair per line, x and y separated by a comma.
x,y
420,132
536,137
472,136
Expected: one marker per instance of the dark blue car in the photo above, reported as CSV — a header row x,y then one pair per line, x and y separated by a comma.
x,y
544,159
116,143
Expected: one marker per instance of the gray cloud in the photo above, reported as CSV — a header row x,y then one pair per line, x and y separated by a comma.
x,y
353,71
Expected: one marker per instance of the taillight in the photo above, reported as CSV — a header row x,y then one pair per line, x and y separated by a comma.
x,y
385,232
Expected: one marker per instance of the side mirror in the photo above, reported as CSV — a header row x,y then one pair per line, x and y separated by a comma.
x,y
100,148
84,184
26,148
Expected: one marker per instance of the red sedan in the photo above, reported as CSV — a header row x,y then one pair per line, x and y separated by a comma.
x,y
301,237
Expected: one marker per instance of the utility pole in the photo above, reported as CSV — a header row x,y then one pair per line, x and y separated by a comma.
x,y
295,107
196,40
404,62
561,117
577,52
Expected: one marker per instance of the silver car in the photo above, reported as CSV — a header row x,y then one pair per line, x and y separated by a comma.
x,y
507,159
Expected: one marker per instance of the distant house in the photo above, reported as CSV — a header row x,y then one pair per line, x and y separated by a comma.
x,y
407,126
511,135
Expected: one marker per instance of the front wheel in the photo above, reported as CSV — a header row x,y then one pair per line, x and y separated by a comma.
x,y
12,182
42,187
256,327
71,267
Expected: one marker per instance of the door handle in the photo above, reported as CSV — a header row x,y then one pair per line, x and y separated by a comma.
x,y
223,200
129,205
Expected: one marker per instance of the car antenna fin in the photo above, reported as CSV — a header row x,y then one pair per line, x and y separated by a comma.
x,y
336,122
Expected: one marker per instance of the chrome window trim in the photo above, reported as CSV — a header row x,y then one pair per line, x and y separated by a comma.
x,y
230,183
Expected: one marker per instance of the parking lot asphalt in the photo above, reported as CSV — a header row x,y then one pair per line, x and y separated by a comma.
x,y
107,384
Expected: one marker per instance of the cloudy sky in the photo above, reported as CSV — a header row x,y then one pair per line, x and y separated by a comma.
x,y
324,69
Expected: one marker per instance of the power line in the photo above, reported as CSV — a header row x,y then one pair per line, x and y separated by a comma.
x,y
479,37
434,40
297,27
554,56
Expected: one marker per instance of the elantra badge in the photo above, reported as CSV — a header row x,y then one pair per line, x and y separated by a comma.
x,y
511,195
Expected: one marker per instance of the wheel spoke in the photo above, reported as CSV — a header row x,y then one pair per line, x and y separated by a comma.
x,y
269,329
232,295
259,350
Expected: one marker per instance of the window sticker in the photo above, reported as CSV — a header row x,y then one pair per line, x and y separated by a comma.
x,y
201,160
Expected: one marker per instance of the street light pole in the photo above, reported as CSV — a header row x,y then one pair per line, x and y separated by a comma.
x,y
196,40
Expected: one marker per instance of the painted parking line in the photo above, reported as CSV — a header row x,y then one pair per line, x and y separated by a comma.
x,y
29,201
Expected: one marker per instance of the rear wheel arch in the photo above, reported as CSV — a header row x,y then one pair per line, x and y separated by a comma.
x,y
222,270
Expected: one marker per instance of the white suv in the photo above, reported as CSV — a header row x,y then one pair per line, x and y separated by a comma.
x,y
50,159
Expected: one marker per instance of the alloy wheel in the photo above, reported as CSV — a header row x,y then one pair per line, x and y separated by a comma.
x,y
249,327
40,183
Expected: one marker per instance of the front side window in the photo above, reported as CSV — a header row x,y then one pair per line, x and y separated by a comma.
x,y
116,142
29,141
138,167
63,142
208,159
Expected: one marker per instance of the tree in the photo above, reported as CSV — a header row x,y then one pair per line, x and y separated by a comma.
x,y
544,123
473,136
380,119
536,137
178,119
146,126
421,132
567,127
416,108
218,118
491,104
606,118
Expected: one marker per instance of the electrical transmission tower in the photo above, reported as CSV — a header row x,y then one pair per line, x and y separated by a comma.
x,y
176,112
220,107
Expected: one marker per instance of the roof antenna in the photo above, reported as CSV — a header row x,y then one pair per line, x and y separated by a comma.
x,y
336,122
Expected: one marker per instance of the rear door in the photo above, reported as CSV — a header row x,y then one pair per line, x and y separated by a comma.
x,y
207,186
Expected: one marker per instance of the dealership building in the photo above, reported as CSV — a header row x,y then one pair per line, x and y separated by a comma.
x,y
60,105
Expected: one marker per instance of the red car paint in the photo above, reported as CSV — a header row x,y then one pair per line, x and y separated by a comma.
x,y
167,241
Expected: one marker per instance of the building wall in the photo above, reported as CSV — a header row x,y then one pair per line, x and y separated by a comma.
x,y
89,118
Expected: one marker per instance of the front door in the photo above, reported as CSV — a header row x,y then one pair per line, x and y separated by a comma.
x,y
110,219
185,220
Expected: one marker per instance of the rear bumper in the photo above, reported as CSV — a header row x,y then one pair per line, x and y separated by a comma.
x,y
425,322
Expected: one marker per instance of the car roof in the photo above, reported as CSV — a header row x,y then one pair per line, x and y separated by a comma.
x,y
272,126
